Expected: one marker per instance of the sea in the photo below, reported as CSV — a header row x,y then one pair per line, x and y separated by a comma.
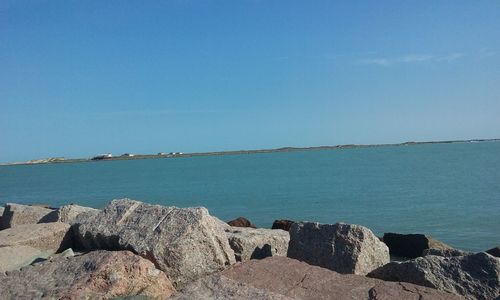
x,y
450,191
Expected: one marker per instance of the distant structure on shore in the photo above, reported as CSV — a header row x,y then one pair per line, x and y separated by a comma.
x,y
127,155
102,156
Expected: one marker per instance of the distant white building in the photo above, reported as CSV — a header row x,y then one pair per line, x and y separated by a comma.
x,y
128,155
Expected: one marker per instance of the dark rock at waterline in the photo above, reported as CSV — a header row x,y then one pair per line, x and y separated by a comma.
x,y
475,276
286,278
411,245
494,251
241,222
282,224
344,248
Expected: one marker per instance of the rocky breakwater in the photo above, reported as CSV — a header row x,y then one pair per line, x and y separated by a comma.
x,y
185,243
131,249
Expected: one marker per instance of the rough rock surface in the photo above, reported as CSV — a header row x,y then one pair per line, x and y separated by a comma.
x,y
186,243
15,257
241,222
96,275
445,252
475,276
218,287
18,214
72,213
46,236
344,248
494,251
250,243
282,224
293,279
411,245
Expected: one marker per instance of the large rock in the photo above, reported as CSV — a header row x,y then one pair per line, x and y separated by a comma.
x,y
494,251
475,276
96,275
45,236
72,213
250,243
15,257
345,248
282,224
411,245
274,276
18,214
241,222
186,243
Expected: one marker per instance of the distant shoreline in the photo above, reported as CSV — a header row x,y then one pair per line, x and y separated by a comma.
x,y
57,160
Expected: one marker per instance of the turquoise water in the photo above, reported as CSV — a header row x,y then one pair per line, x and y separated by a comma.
x,y
451,191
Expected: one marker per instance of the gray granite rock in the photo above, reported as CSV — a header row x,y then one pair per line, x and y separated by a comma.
x,y
18,214
96,275
186,243
475,276
15,257
250,243
277,276
411,245
72,213
53,237
445,252
345,248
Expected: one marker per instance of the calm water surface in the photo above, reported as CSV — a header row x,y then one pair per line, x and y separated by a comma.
x,y
450,191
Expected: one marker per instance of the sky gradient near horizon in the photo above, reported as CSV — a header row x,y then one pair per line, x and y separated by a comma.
x,y
78,78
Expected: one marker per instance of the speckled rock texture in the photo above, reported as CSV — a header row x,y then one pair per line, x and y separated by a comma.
x,y
53,237
185,243
96,275
284,278
250,243
475,276
344,248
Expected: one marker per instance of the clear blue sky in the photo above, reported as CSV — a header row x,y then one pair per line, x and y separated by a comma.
x,y
79,78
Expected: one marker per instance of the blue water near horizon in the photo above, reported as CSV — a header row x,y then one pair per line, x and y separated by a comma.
x,y
450,191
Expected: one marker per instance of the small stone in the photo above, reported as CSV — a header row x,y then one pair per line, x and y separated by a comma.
x,y
241,222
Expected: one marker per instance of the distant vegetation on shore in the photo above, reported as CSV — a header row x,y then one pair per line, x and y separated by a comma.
x,y
128,156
